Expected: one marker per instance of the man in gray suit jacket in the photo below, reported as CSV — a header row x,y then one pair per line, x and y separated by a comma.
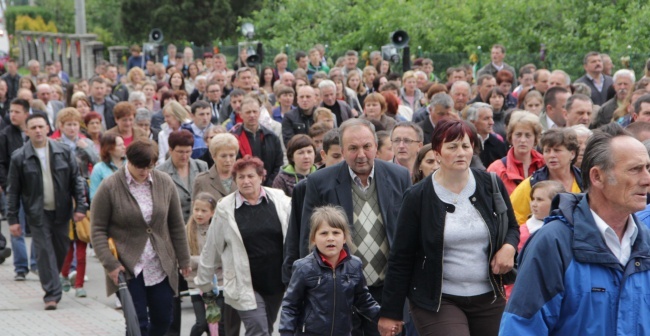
x,y
497,54
595,79
370,191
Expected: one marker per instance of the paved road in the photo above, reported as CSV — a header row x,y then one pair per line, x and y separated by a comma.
x,y
22,313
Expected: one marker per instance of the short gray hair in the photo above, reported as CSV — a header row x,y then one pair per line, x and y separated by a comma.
x,y
474,109
137,95
567,78
441,99
375,53
581,88
409,124
356,122
624,72
143,114
326,83
457,84
582,130
598,152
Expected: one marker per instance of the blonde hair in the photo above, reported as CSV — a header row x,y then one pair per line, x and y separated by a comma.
x,y
407,75
323,110
177,110
68,114
332,215
131,72
223,141
191,224
526,119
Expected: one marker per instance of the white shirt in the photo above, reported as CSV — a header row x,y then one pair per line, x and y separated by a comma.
x,y
550,122
620,249
357,180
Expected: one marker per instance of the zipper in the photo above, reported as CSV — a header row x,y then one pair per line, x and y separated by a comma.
x,y
442,264
334,305
490,277
424,261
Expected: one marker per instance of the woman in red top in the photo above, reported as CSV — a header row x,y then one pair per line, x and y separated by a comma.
x,y
523,133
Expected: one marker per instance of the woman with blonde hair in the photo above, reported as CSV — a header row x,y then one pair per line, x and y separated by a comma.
x,y
354,82
410,95
175,115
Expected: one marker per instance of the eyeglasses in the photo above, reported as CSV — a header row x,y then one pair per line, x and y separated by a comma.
x,y
406,141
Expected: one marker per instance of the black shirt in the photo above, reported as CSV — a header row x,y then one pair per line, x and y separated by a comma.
x,y
336,109
261,232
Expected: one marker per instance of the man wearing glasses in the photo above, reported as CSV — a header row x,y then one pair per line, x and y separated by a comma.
x,y
406,138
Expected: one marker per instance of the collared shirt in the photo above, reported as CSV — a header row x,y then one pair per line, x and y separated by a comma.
x,y
149,264
597,85
99,108
197,131
550,122
357,180
483,140
497,67
621,249
240,200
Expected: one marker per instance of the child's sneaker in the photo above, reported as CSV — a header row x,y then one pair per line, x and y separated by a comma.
x,y
65,283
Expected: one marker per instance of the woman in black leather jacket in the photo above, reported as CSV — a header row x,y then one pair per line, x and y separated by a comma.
x,y
327,286
445,257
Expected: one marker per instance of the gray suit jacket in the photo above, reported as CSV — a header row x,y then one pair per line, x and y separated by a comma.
x,y
489,69
333,185
210,182
184,188
56,107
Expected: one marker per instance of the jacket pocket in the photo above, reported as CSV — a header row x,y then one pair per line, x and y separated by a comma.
x,y
299,127
230,284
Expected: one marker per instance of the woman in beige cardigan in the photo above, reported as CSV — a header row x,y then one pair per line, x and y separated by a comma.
x,y
138,208
218,180
246,239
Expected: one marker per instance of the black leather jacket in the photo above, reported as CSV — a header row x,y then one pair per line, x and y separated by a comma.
x,y
26,184
11,139
320,301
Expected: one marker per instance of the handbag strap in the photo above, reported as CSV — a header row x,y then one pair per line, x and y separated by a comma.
x,y
501,210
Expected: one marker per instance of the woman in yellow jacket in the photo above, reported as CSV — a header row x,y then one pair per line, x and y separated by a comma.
x,y
560,150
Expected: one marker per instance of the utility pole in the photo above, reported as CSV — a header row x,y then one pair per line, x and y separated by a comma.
x,y
80,16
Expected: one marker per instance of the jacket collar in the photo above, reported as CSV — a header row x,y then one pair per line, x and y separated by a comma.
x,y
216,181
514,167
588,244
53,147
543,174
343,257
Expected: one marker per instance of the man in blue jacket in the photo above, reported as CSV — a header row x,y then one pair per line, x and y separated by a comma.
x,y
587,271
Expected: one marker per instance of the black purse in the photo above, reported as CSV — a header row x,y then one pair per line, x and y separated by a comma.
x,y
501,211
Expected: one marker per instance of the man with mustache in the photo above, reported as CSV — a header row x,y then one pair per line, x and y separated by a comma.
x,y
597,81
623,82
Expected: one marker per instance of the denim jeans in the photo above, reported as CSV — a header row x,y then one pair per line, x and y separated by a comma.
x,y
19,248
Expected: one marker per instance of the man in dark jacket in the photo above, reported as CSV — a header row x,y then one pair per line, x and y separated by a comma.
x,y
256,140
12,78
341,109
44,175
13,138
440,107
299,120
492,145
100,103
595,79
370,191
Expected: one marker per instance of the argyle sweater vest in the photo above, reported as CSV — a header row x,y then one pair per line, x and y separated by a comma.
x,y
369,236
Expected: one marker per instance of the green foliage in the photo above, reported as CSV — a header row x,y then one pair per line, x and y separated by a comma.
x,y
12,13
62,13
198,21
568,28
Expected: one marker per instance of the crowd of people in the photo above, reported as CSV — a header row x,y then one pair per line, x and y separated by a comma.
x,y
336,198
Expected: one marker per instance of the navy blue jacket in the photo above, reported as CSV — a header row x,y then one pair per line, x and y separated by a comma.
x,y
569,282
320,301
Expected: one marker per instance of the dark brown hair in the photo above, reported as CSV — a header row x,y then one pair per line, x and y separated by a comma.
x,y
142,153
